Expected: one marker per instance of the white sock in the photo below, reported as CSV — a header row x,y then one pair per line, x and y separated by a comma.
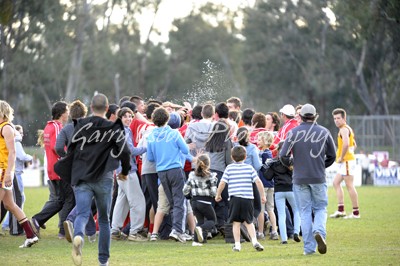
x,y
237,244
254,240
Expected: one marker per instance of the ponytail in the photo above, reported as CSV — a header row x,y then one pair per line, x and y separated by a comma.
x,y
202,168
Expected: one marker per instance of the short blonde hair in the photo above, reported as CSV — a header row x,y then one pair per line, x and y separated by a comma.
x,y
6,112
267,137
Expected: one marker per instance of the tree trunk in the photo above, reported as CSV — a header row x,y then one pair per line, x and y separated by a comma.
x,y
77,54
4,52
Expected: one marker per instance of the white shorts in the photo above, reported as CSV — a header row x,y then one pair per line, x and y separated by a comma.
x,y
347,168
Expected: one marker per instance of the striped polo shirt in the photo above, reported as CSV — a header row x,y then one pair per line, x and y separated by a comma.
x,y
240,178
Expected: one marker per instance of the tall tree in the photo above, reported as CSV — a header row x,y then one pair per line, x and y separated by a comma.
x,y
369,34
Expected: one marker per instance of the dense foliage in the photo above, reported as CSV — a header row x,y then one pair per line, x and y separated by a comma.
x,y
330,53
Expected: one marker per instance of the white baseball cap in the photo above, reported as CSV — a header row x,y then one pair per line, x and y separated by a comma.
x,y
288,110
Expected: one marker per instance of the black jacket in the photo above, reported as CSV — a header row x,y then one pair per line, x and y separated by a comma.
x,y
98,146
282,175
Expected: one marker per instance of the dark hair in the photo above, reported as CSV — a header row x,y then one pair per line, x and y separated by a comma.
x,y
130,105
123,111
160,117
238,153
234,115
247,115
154,101
111,110
18,127
196,112
99,103
258,120
279,145
77,109
218,137
222,110
243,136
307,118
202,168
136,99
208,111
275,120
150,109
124,99
58,109
340,111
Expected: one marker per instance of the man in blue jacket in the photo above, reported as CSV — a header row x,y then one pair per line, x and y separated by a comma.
x,y
313,149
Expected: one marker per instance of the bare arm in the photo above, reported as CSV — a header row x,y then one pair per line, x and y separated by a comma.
x,y
8,134
344,134
260,187
140,117
219,191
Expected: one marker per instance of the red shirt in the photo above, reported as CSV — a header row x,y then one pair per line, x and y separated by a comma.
x,y
136,126
291,123
50,134
254,133
188,165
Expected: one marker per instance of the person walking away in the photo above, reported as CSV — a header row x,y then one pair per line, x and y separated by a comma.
x,y
282,177
313,150
95,159
201,186
240,178
165,147
61,199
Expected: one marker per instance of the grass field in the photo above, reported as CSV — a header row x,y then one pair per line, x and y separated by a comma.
x,y
372,240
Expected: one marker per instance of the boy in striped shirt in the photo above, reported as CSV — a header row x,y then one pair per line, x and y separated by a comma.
x,y
240,178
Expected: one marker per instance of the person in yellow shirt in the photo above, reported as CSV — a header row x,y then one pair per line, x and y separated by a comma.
x,y
7,168
346,165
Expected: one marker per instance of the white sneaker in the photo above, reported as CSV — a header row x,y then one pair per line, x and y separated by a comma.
x,y
352,216
177,236
30,242
154,237
199,232
258,247
77,244
338,214
196,244
236,249
187,237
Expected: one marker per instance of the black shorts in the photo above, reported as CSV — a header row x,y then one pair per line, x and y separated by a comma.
x,y
241,210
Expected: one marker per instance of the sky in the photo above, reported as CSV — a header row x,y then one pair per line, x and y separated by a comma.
x,y
170,10
174,9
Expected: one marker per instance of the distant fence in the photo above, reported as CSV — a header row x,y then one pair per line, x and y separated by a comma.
x,y
377,133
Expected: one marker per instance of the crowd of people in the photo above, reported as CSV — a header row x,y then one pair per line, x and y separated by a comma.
x,y
141,171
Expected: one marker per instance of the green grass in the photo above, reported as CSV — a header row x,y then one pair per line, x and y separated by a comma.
x,y
372,240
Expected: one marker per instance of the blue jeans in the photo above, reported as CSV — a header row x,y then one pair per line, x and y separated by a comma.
x,y
280,200
101,191
312,198
90,226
